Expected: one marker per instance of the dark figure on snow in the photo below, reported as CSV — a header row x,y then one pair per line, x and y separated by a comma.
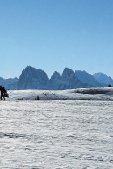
x,y
3,93
109,85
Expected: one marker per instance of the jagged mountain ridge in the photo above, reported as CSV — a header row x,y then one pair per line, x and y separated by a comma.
x,y
67,80
103,78
32,78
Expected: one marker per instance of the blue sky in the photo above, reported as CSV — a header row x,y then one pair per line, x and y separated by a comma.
x,y
54,34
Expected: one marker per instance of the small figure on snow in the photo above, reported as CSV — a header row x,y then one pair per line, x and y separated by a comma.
x,y
3,93
109,85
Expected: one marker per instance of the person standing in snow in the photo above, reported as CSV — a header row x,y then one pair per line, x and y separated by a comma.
x,y
3,93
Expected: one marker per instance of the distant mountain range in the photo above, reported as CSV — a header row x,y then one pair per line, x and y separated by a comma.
x,y
10,83
32,78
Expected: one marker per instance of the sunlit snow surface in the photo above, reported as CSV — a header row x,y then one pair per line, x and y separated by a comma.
x,y
56,134
72,94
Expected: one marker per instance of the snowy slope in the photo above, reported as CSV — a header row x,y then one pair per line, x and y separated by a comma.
x,y
72,94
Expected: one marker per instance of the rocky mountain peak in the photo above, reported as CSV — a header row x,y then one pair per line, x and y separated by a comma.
x,y
56,75
68,73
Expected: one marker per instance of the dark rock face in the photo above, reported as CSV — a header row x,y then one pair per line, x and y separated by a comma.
x,y
67,80
70,80
55,81
32,78
56,76
103,79
87,79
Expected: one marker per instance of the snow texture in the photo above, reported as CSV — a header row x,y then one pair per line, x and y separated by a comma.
x,y
56,134
71,94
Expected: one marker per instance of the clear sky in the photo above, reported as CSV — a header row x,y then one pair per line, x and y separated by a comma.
x,y
54,34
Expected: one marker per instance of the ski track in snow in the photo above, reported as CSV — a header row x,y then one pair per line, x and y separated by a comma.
x,y
70,134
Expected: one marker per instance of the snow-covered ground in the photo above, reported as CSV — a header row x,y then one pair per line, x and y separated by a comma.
x,y
70,129
56,134
72,94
